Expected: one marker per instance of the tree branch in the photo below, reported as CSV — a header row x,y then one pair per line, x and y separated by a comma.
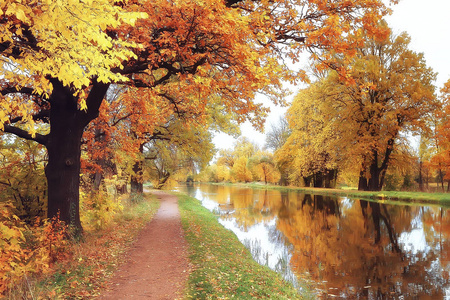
x,y
39,138
43,115
121,119
94,100
13,90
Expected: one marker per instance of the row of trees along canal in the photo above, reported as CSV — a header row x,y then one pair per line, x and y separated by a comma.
x,y
354,127
126,76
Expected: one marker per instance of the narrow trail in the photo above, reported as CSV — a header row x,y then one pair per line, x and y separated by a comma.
x,y
157,266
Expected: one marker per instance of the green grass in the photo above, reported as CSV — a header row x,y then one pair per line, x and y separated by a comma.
x,y
223,267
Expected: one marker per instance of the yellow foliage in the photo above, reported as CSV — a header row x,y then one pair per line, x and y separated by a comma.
x,y
98,208
241,171
74,54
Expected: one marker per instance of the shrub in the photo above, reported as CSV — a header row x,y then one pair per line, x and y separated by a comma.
x,y
27,250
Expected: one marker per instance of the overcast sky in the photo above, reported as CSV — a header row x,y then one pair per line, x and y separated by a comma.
x,y
428,24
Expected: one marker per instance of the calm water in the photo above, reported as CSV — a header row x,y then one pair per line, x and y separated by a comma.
x,y
339,247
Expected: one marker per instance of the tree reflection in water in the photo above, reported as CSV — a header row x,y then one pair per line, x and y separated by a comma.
x,y
346,248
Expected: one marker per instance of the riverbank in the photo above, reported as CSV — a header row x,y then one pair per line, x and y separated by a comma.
x,y
383,196
223,267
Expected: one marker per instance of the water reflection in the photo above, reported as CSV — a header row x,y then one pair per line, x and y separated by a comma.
x,y
345,248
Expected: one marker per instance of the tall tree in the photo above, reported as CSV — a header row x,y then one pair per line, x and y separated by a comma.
x,y
389,91
180,51
311,153
441,158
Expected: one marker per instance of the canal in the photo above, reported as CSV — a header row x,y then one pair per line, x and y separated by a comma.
x,y
339,247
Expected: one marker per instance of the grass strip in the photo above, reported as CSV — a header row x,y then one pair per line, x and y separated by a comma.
x,y
223,267
404,196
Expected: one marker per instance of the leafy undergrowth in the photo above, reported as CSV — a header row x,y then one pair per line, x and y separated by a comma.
x,y
90,261
223,267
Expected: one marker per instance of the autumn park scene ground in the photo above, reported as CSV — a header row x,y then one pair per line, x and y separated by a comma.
x,y
112,187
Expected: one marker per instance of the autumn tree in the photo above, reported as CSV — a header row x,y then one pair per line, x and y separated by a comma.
x,y
226,158
441,137
264,168
395,95
241,171
388,91
186,150
54,77
103,145
311,151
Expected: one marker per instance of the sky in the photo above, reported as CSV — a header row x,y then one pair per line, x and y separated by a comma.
x,y
428,25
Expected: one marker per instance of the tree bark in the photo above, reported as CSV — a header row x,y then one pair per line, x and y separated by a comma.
x,y
137,184
67,123
64,151
377,171
318,179
362,184
420,175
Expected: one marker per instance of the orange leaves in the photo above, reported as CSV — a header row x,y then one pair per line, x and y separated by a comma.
x,y
206,49
24,249
441,134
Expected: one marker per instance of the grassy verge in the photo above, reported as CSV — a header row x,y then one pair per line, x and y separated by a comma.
x,y
91,261
223,267
416,197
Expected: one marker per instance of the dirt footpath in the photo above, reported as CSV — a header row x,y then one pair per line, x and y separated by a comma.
x,y
157,266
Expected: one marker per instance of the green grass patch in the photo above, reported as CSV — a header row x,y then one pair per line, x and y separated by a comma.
x,y
223,267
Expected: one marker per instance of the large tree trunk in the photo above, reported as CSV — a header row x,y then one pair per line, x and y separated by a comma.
x,y
330,177
63,175
64,151
67,123
374,183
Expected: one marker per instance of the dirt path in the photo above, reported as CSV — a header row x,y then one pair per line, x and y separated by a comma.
x,y
157,266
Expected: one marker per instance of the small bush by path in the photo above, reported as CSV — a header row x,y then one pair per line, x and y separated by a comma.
x,y
222,267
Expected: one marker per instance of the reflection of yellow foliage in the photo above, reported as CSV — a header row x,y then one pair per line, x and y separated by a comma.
x,y
437,225
326,245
